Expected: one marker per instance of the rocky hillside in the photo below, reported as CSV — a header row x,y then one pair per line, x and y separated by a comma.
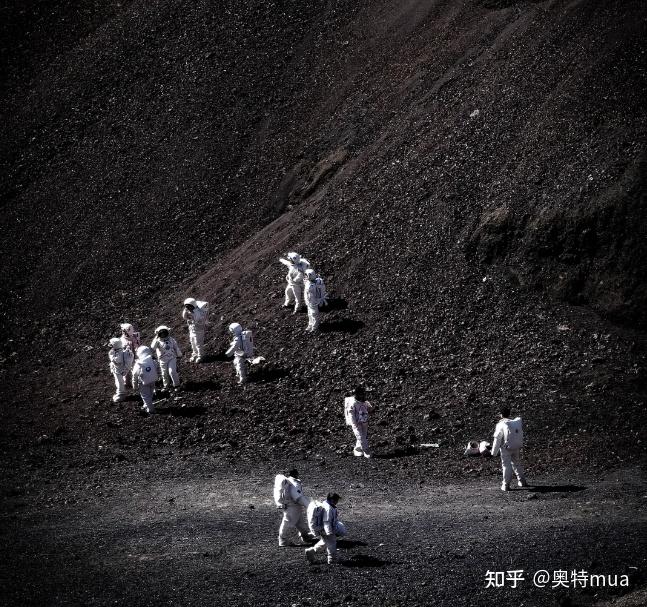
x,y
467,175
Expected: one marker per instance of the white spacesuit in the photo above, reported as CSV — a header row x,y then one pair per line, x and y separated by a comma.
x,y
297,266
508,438
324,522
145,374
356,415
293,504
195,314
478,448
167,352
314,294
121,363
237,350
130,340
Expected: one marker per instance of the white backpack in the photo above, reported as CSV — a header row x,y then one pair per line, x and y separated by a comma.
x,y
320,291
513,433
281,490
349,402
203,307
315,514
148,371
247,340
362,412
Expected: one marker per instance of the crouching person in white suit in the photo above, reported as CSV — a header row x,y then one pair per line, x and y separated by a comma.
x,y
145,374
324,522
195,314
121,363
508,439
289,497
167,352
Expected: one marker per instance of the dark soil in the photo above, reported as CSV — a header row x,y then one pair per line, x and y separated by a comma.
x,y
469,178
157,533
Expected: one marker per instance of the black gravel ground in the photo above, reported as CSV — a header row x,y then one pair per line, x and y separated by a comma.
x,y
162,535
469,179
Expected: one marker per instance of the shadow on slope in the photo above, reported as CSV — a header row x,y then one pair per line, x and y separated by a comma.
x,y
202,386
344,325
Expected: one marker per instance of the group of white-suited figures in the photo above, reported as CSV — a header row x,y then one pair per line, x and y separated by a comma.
x,y
317,523
140,367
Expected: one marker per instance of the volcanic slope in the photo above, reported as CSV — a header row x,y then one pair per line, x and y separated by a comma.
x,y
467,176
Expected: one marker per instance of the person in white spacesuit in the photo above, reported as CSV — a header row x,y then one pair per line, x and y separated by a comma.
x,y
356,411
237,350
167,352
324,522
130,340
297,266
290,499
315,296
121,363
195,313
508,440
145,374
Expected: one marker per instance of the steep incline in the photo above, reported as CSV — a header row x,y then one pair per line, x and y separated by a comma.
x,y
468,176
132,155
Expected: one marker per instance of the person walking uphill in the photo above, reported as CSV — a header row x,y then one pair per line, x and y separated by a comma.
x,y
356,410
297,266
508,439
195,314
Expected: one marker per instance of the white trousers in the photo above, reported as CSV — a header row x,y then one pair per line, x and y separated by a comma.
x,y
146,392
120,384
294,294
294,517
329,544
360,430
313,318
196,337
169,370
511,461
241,368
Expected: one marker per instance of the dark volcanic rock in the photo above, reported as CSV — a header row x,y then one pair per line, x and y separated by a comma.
x,y
468,177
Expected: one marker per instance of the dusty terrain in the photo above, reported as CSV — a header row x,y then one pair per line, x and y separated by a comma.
x,y
468,176
165,535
